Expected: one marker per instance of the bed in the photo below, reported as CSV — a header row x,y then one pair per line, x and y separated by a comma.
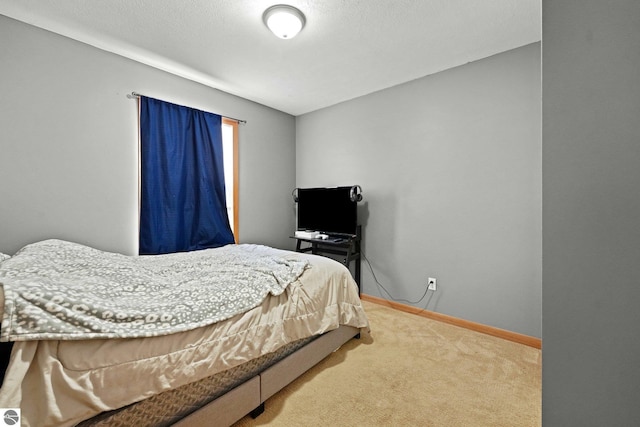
x,y
226,329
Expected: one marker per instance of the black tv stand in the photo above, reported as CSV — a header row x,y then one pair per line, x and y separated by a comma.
x,y
347,246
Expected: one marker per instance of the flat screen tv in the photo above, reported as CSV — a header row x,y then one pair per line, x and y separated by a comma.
x,y
327,210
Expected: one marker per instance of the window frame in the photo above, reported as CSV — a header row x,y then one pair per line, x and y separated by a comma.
x,y
236,176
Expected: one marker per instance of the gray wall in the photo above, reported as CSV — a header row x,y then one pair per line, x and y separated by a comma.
x,y
68,145
450,165
591,213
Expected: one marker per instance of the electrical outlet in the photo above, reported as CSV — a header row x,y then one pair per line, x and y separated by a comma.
x,y
431,283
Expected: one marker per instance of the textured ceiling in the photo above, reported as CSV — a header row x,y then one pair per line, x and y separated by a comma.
x,y
347,49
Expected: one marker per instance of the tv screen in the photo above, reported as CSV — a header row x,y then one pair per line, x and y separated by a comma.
x,y
328,210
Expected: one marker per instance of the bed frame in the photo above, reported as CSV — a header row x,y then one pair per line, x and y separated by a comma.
x,y
250,396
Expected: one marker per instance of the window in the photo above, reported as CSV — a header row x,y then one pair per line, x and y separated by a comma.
x,y
230,154
182,195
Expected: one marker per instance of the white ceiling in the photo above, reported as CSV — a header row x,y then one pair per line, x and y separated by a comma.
x,y
347,49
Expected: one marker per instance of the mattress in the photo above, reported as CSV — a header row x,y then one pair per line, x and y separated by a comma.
x,y
88,377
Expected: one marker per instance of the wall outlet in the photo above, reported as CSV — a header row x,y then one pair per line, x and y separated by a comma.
x,y
431,283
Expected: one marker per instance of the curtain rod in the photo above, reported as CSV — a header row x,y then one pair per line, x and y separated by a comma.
x,y
138,95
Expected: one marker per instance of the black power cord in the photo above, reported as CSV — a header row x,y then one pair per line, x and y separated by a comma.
x,y
385,289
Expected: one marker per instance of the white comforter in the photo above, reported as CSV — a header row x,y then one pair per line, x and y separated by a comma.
x,y
59,383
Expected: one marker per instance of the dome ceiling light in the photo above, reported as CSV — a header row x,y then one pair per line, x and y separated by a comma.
x,y
284,21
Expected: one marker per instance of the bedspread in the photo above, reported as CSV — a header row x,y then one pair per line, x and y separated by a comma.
x,y
63,382
62,290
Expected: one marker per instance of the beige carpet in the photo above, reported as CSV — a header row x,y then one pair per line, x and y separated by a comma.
x,y
413,371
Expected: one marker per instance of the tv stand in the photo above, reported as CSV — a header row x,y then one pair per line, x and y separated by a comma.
x,y
347,246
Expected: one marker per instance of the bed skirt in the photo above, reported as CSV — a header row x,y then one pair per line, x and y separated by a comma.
x,y
167,408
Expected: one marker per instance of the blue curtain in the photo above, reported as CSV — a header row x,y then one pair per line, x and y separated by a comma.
x,y
183,205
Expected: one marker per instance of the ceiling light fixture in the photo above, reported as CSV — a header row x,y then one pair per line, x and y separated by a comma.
x,y
284,21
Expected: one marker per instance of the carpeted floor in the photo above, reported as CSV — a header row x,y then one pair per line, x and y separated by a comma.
x,y
413,371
